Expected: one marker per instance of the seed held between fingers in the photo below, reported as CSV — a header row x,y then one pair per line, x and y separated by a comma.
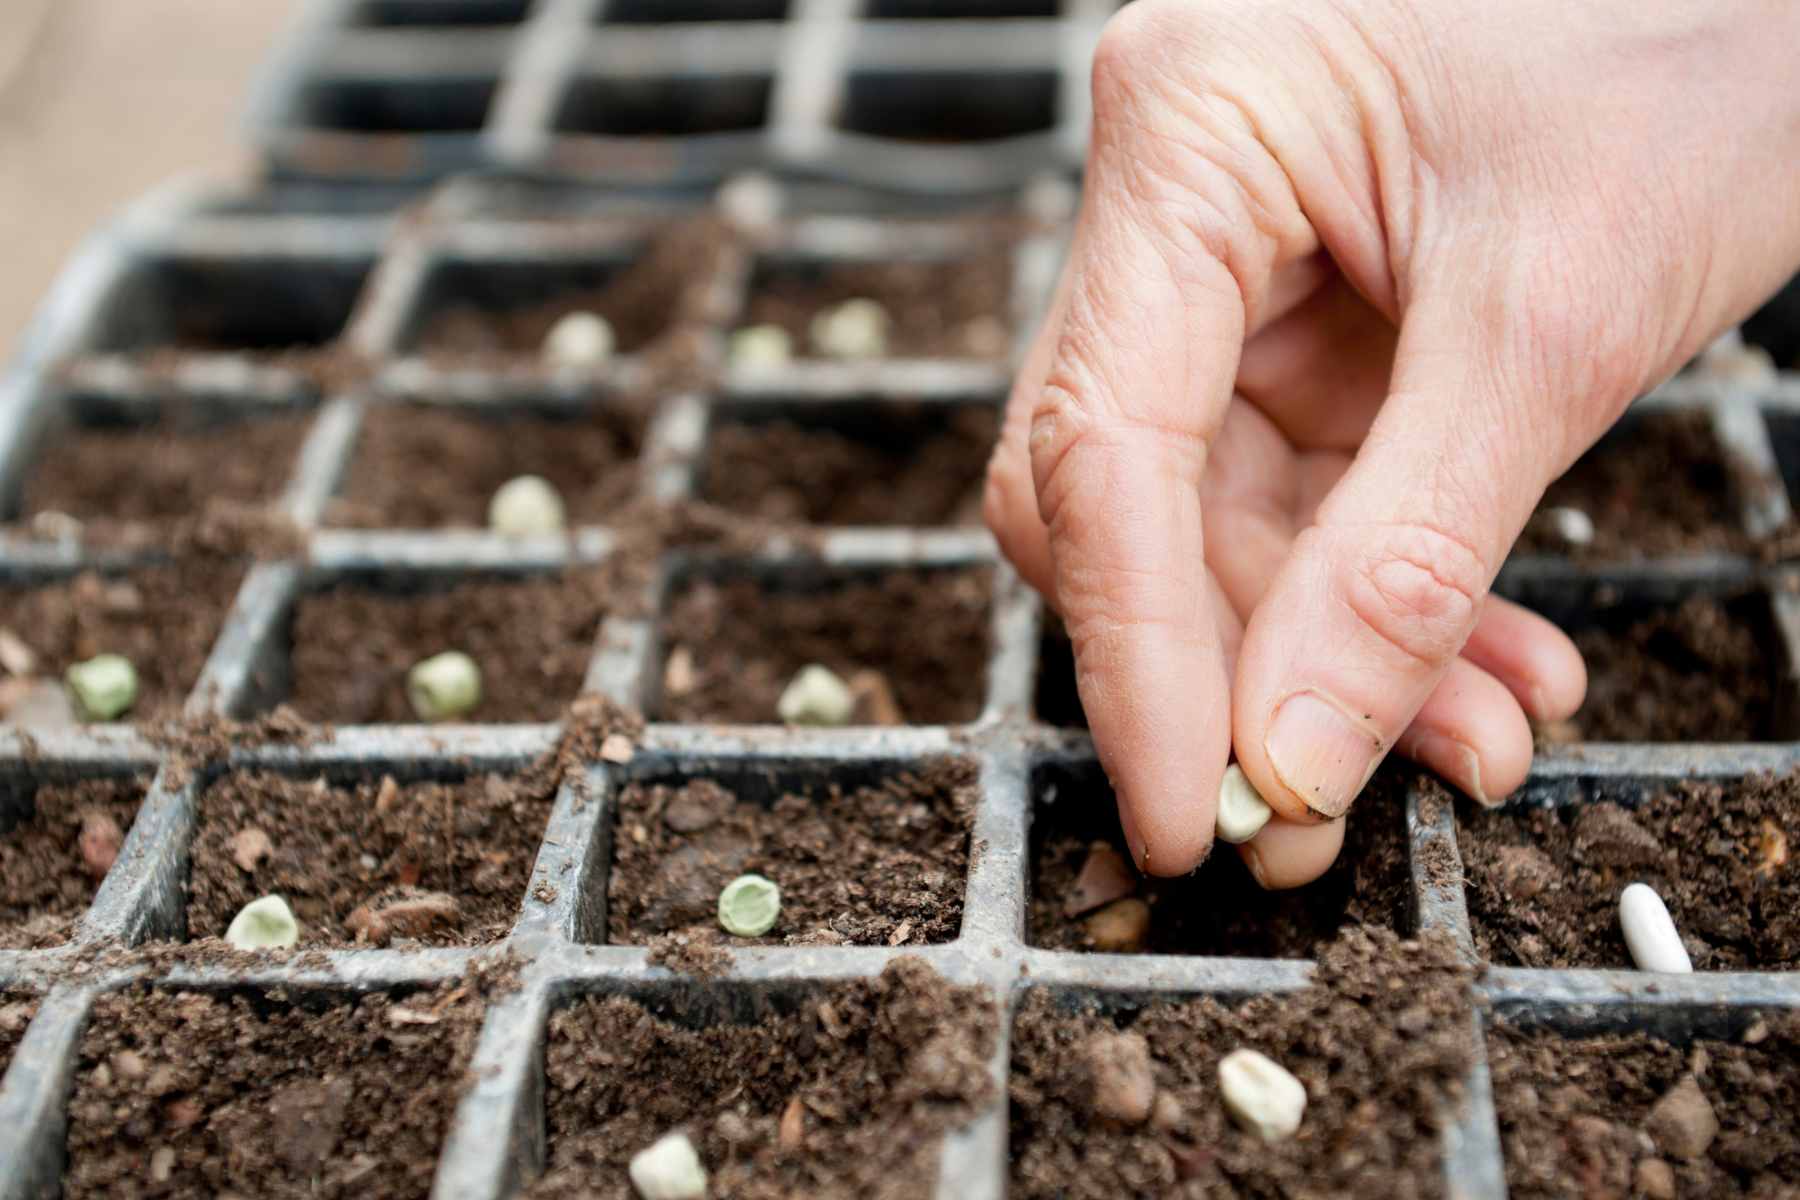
x,y
1242,810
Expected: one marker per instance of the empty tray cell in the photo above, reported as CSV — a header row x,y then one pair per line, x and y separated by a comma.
x,y
1659,484
165,619
852,464
783,1090
657,12
664,105
911,644
396,106
1624,1113
1776,326
1085,894
419,467
868,854
370,860
944,9
253,1094
1784,436
16,1011
1544,883
440,12
955,308
59,839
1381,1039
198,304
532,637
949,106
1055,699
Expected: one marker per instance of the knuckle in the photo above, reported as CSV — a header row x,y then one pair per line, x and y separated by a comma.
x,y
1417,592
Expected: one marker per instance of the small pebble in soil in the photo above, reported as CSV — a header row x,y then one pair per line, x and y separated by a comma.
x,y
249,846
1121,1084
1261,1095
816,696
527,506
855,329
581,339
668,1169
749,906
1655,1179
761,347
1650,932
266,923
104,687
1570,524
1120,927
444,686
875,701
99,843
1242,810
1683,1123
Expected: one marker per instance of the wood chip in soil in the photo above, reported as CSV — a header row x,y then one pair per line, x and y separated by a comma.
x,y
1576,1113
877,1072
434,863
1544,883
184,1094
48,868
877,865
926,632
950,309
1381,1039
532,637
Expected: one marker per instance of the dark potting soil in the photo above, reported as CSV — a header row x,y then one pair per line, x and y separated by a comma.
x,y
47,880
1575,1113
1660,486
1220,910
954,309
878,865
165,619
16,1012
1544,883
926,632
185,1094
1380,1039
443,863
911,466
532,637
865,1078
422,468
1056,699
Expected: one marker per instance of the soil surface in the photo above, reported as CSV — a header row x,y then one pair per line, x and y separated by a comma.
x,y
423,468
1660,486
194,1095
1700,672
926,632
1380,1039
954,309
1219,910
1544,883
165,619
905,466
1575,1113
863,1080
46,880
879,865
532,638
16,1012
375,862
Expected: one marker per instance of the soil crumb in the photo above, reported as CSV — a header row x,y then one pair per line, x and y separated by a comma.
x,y
1578,1116
376,861
877,865
1381,1039
701,954
48,873
1544,883
16,1011
953,309
184,1094
841,1092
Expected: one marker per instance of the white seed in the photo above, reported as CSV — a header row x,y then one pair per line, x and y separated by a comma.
x,y
580,339
1261,1095
816,696
1650,932
752,202
668,1169
444,686
854,329
265,924
1571,525
761,347
526,507
104,686
749,906
1242,810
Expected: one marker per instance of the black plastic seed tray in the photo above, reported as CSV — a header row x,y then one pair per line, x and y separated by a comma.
x,y
290,274
919,95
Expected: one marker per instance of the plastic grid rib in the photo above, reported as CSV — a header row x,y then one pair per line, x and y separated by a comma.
x,y
110,308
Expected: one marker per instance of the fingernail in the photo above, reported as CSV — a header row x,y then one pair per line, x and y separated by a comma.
x,y
1322,753
1253,860
1454,760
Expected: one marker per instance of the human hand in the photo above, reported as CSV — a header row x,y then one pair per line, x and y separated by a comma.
x,y
1351,284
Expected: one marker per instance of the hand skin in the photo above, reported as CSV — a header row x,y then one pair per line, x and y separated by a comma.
x,y
1352,282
